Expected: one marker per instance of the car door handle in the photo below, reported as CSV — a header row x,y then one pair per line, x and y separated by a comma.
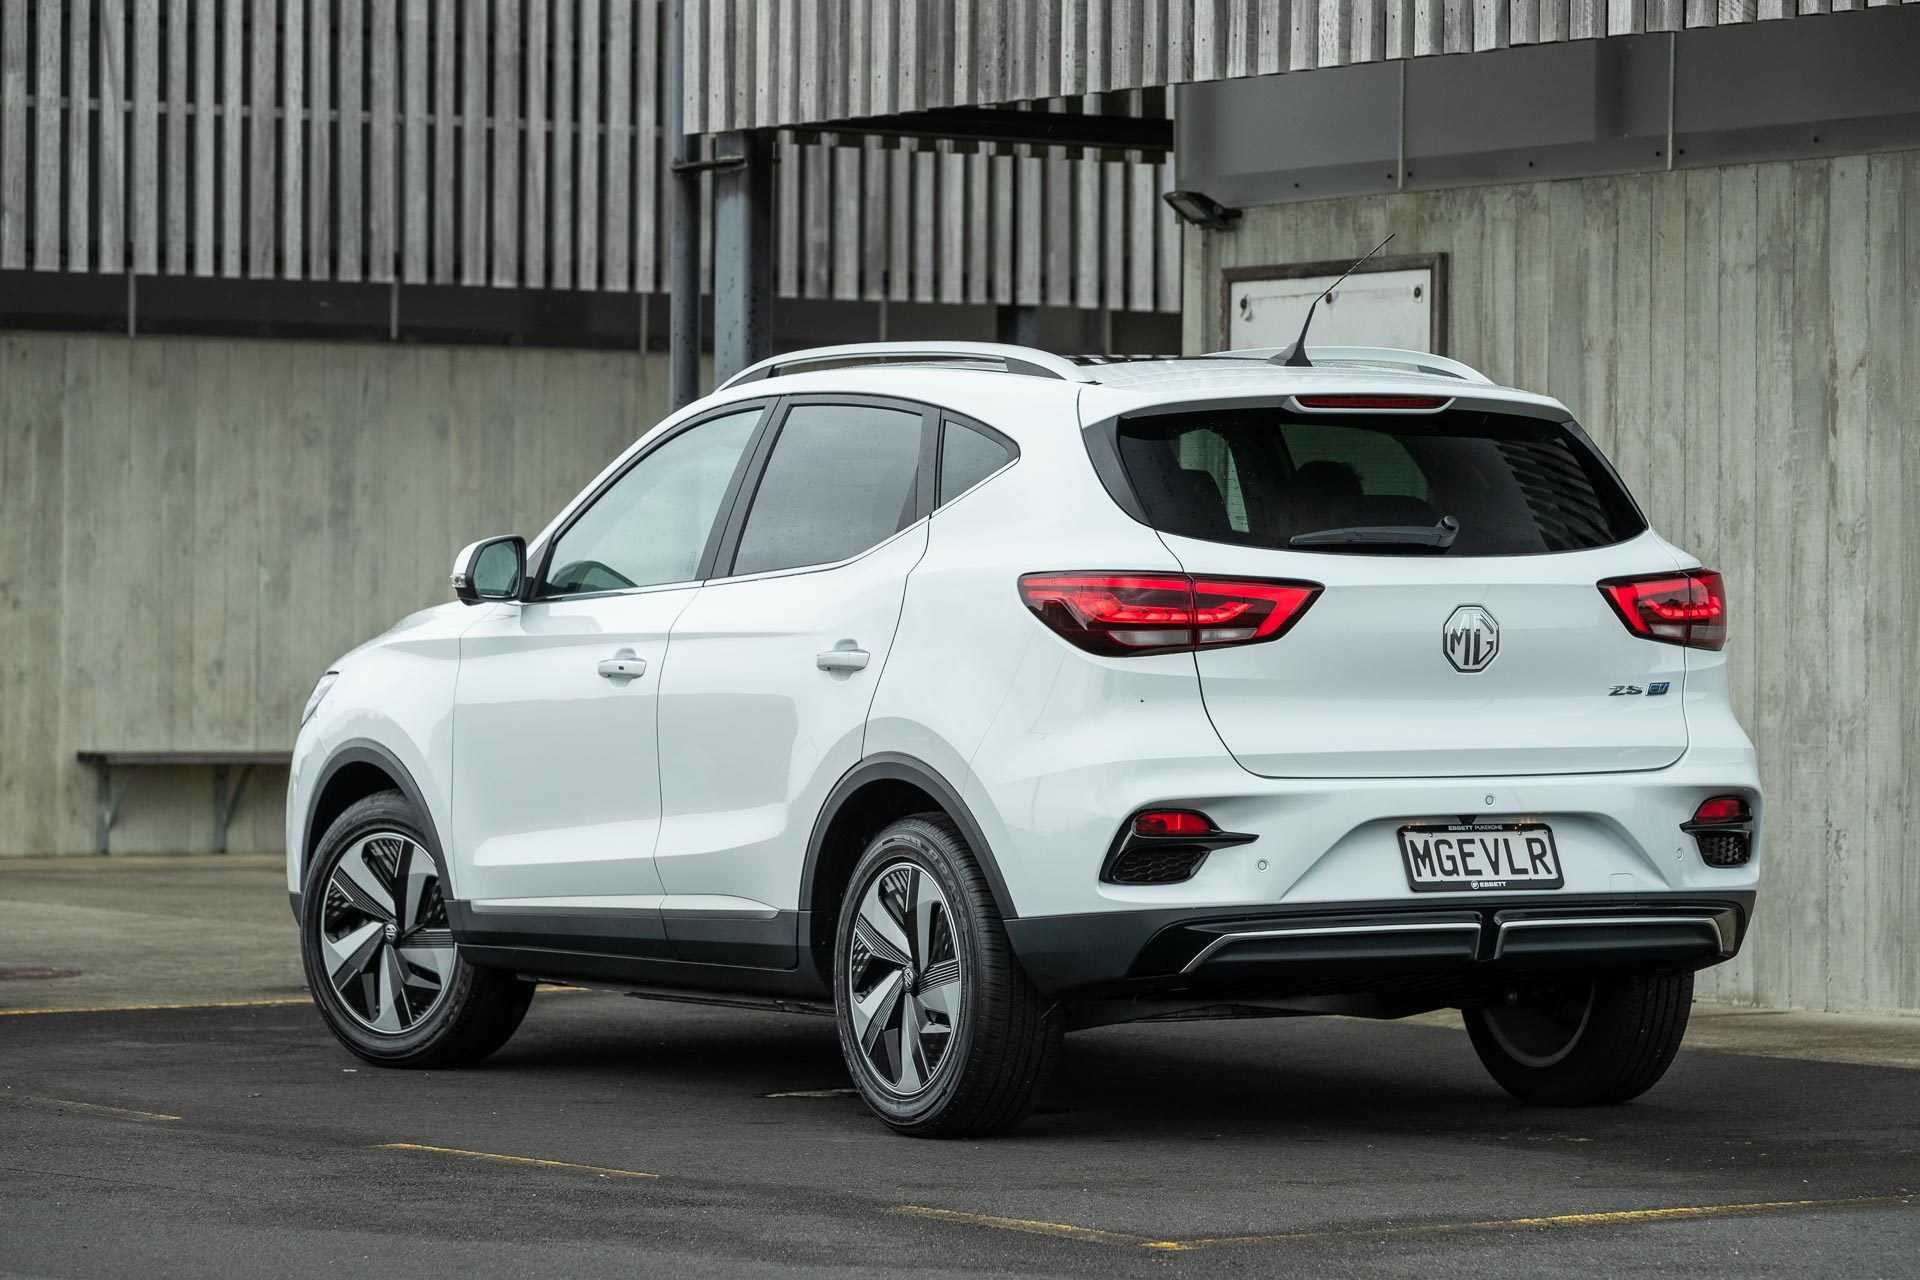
x,y
623,664
842,660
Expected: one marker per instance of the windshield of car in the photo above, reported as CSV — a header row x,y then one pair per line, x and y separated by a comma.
x,y
1382,483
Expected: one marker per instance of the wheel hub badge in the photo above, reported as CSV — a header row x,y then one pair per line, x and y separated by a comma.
x,y
911,980
393,933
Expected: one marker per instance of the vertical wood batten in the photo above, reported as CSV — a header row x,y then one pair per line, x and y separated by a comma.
x,y
13,134
586,207
144,185
473,144
111,196
292,122
617,231
506,143
80,128
262,169
383,142
415,162
205,64
320,133
351,137
647,172
173,187
452,249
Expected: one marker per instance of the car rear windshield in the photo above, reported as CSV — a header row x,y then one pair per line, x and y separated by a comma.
x,y
1263,477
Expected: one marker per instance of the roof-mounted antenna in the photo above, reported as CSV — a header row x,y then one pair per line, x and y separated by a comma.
x,y
1296,355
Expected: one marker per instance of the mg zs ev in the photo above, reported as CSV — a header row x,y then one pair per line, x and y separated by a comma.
x,y
973,694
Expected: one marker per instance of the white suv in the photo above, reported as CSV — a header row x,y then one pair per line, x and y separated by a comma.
x,y
973,694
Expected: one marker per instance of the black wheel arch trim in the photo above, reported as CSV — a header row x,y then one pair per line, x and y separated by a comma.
x,y
367,751
894,766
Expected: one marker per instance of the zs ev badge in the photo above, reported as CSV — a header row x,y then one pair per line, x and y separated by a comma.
x,y
1470,639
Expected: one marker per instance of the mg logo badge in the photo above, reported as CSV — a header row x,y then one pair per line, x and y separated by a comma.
x,y
1471,638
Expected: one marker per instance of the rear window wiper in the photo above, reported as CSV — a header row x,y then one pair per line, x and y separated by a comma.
x,y
1437,537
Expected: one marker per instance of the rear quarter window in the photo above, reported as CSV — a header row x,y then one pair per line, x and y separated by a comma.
x,y
1259,476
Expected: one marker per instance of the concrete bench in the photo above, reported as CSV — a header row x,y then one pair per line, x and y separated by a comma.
x,y
225,798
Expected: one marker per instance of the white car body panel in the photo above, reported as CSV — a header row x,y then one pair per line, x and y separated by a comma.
x,y
753,734
556,770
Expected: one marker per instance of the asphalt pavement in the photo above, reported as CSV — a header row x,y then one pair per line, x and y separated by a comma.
x,y
616,1136
621,1137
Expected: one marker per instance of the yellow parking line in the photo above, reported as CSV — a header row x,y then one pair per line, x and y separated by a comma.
x,y
150,1008
546,988
1063,1230
1621,1217
129,1112
504,1159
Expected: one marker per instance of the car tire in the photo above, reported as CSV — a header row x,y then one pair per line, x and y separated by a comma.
x,y
1584,1044
380,958
920,945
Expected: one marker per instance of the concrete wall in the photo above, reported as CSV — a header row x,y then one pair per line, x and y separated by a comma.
x,y
191,530
1745,343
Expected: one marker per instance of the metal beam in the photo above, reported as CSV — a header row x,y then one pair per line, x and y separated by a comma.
x,y
742,254
994,124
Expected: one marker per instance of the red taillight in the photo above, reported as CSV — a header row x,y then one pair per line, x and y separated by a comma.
x,y
1370,402
1722,809
1123,613
1170,822
1689,607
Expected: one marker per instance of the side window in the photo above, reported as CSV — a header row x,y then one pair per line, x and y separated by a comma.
x,y
966,458
840,479
652,525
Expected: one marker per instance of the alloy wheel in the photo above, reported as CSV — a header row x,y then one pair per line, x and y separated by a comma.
x,y
384,939
904,980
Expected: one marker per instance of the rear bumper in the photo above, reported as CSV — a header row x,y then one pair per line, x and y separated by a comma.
x,y
1451,946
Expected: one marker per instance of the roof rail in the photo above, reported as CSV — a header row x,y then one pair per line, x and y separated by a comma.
x,y
1421,361
1010,359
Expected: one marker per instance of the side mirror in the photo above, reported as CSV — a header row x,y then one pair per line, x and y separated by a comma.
x,y
490,569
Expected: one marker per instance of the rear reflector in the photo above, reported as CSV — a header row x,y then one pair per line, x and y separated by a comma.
x,y
1722,809
1370,402
1689,607
1170,822
1130,613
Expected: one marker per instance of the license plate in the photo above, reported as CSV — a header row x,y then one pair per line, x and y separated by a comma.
x,y
1479,857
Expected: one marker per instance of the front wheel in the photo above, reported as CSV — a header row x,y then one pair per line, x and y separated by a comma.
x,y
380,956
942,1031
1583,1044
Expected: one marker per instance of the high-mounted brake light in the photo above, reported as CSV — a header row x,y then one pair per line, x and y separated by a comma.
x,y
1130,613
1370,402
1689,607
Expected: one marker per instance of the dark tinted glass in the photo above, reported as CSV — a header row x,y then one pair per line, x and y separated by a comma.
x,y
1262,476
841,478
966,458
652,525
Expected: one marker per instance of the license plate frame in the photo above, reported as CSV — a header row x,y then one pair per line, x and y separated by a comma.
x,y
1517,859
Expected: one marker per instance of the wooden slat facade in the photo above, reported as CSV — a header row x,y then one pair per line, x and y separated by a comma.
x,y
518,144
956,53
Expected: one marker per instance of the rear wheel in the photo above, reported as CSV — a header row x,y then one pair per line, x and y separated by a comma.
x,y
380,958
1584,1044
942,1031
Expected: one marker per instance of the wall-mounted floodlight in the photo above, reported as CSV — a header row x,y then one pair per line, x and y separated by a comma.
x,y
1201,210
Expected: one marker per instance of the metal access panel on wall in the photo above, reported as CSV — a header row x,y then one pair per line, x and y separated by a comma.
x,y
1396,302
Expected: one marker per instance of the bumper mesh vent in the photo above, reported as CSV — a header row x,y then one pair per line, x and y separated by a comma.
x,y
1724,848
1156,864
